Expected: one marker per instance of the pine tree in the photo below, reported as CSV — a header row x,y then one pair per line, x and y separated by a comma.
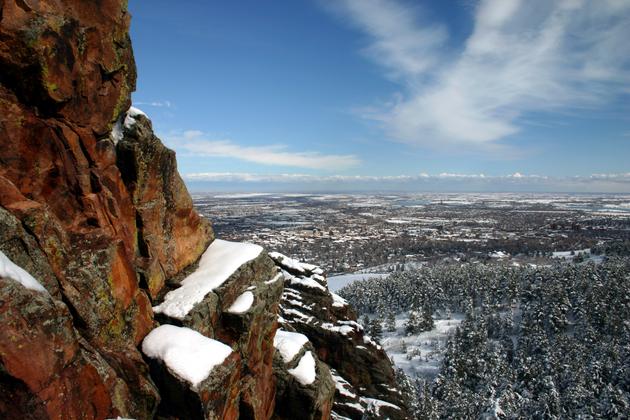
x,y
365,322
426,319
390,322
375,330
412,325
427,408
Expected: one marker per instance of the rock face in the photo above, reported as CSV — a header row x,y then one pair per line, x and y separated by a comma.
x,y
239,311
71,219
92,207
296,398
362,372
171,235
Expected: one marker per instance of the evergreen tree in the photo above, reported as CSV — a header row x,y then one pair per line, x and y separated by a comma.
x,y
365,322
375,330
426,318
412,325
390,322
427,407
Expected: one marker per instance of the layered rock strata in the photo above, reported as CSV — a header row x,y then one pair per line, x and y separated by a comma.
x,y
362,372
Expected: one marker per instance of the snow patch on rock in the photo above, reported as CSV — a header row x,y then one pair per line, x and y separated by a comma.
x,y
342,386
242,303
117,131
217,264
289,343
275,279
291,264
340,329
338,301
306,282
374,405
13,271
130,116
304,372
127,120
185,352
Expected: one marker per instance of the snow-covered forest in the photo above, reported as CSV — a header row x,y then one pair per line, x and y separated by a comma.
x,y
536,342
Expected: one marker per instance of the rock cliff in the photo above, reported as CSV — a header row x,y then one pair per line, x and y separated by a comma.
x,y
364,379
134,286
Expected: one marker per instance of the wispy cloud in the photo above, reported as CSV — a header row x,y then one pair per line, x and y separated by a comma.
x,y
158,104
406,48
619,182
522,57
200,144
289,178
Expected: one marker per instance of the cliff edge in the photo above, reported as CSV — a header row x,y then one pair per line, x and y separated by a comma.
x,y
115,297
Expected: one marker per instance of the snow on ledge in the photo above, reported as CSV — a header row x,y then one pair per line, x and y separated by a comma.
x,y
304,372
242,303
342,386
130,117
338,301
127,120
275,279
374,405
339,329
289,343
290,263
306,282
13,271
296,265
185,352
217,264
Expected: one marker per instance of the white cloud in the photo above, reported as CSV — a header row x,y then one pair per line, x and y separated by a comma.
x,y
196,142
291,178
596,182
406,48
522,57
158,104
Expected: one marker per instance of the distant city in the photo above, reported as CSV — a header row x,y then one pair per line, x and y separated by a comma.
x,y
346,233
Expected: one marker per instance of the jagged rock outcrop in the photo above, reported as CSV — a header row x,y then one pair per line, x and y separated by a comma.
x,y
93,210
363,374
232,296
305,387
66,74
171,235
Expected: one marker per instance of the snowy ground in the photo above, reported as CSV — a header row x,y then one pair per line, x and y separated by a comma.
x,y
420,355
337,282
586,253
571,254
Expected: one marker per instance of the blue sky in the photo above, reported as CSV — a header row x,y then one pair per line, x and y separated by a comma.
x,y
376,94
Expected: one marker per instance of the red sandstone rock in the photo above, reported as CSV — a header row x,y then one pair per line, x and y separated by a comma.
x,y
40,352
171,235
66,74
